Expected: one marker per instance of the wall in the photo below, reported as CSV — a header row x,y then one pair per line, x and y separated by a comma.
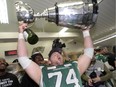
x,y
13,46
46,44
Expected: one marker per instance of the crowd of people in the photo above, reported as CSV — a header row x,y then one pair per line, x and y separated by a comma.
x,y
89,70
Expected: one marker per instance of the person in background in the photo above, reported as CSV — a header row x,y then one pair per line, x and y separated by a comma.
x,y
65,56
26,80
37,57
57,74
16,69
99,56
7,79
110,56
97,74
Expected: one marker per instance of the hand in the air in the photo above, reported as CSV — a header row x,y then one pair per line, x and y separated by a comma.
x,y
84,27
22,27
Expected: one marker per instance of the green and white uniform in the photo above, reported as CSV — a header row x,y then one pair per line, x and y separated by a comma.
x,y
101,57
66,75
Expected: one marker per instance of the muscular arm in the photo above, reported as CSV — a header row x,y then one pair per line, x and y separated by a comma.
x,y
33,70
84,60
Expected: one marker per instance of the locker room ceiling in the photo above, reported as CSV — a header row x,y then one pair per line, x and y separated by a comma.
x,y
104,28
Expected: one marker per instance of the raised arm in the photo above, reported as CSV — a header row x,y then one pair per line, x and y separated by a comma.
x,y
31,68
85,59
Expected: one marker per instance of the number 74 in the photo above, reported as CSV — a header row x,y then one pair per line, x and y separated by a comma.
x,y
69,80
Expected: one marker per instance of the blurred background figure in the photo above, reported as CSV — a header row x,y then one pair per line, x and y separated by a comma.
x,y
96,75
7,79
37,57
98,54
110,56
16,69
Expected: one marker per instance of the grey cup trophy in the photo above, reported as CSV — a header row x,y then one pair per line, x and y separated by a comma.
x,y
72,14
26,14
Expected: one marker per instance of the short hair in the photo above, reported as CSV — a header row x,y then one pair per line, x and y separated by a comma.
x,y
59,50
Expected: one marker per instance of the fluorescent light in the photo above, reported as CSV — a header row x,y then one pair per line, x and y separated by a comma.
x,y
63,30
105,38
3,12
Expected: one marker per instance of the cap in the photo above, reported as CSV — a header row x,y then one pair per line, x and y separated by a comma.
x,y
36,54
59,50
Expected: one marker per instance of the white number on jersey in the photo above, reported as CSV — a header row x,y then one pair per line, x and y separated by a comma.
x,y
71,78
59,77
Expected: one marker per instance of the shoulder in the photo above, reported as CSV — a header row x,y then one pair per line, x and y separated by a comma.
x,y
25,75
11,75
72,63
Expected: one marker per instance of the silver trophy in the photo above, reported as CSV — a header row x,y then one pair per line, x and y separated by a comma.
x,y
72,14
24,12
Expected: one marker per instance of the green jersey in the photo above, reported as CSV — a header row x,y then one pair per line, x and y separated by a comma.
x,y
66,75
100,57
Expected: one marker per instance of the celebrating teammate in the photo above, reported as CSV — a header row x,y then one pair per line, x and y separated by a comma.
x,y
58,73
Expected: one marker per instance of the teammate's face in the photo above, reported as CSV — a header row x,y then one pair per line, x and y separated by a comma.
x,y
56,59
38,59
2,64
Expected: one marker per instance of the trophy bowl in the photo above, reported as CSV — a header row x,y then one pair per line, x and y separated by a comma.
x,y
78,14
24,12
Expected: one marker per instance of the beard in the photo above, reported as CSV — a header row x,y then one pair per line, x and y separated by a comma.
x,y
2,70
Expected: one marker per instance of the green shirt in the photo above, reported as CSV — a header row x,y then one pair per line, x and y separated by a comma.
x,y
66,75
100,57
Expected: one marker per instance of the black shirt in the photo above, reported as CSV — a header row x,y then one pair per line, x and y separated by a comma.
x,y
9,80
111,59
28,82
